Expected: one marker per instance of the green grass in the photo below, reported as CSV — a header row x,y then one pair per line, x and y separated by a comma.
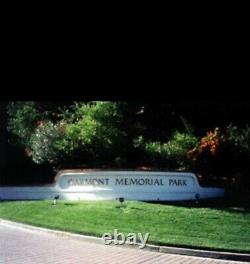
x,y
206,225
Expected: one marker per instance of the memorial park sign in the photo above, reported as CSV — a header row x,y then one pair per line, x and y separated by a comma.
x,y
110,185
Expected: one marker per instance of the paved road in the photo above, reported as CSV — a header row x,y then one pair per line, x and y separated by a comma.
x,y
18,246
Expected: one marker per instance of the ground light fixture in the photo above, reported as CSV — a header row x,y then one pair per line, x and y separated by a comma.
x,y
120,199
197,197
55,199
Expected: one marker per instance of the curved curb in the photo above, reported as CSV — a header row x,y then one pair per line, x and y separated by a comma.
x,y
161,249
206,253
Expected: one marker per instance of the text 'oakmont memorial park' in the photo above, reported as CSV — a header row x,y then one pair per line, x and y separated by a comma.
x,y
127,181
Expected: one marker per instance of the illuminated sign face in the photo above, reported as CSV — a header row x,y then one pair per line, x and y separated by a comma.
x,y
127,181
83,181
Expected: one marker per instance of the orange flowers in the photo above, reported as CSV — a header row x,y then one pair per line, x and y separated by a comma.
x,y
211,142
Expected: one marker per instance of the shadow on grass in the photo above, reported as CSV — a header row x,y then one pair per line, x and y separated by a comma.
x,y
70,204
236,204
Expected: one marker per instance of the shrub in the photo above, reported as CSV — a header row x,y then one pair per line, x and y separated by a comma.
x,y
238,137
179,145
81,133
97,132
222,154
205,156
236,147
45,143
172,154
209,144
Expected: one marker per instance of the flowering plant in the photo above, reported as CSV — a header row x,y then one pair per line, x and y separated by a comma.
x,y
209,144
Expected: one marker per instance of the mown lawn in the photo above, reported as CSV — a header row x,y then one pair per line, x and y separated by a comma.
x,y
197,226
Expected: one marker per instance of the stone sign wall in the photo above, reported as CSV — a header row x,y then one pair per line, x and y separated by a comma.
x,y
109,185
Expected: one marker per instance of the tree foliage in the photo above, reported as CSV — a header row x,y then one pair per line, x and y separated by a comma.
x,y
124,134
80,133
